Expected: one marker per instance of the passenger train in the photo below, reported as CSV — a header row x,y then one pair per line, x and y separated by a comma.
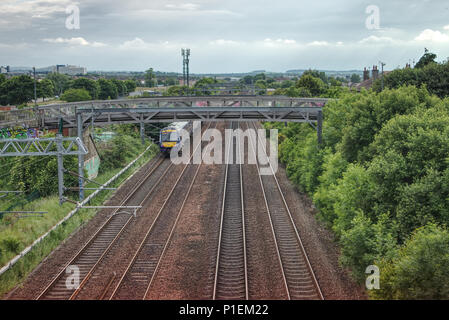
x,y
170,137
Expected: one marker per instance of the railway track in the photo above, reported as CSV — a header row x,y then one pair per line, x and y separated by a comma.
x,y
231,277
138,277
90,255
231,267
299,279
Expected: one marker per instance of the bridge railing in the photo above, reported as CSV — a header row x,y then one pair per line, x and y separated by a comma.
x,y
25,116
31,117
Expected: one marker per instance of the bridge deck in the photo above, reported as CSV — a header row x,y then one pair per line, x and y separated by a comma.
x,y
169,109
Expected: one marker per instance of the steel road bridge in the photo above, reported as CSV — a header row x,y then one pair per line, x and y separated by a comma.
x,y
166,109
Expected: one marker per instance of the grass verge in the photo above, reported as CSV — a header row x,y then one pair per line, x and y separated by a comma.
x,y
17,234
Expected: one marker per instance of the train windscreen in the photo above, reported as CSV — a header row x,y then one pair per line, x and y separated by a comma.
x,y
169,136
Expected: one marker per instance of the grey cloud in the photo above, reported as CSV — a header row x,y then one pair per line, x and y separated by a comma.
x,y
212,28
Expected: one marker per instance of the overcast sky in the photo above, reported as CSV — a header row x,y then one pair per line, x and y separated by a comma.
x,y
224,35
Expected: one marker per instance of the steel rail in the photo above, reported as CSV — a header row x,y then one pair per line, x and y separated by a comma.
x,y
87,277
139,249
220,239
172,231
298,237
269,219
101,228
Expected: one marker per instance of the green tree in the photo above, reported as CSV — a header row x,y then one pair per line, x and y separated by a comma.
x,y
171,81
355,78
334,82
178,91
314,85
74,95
420,269
60,82
121,87
17,90
108,90
382,172
365,242
435,77
411,152
150,78
316,74
261,86
334,165
88,84
426,59
287,84
203,86
131,85
45,89
247,80
369,112
22,174
260,76
398,78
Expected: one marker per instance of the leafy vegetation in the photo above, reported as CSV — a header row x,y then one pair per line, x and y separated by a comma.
x,y
16,234
91,86
19,90
381,182
74,95
427,73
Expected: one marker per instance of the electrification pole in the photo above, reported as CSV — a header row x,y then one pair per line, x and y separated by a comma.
x,y
35,89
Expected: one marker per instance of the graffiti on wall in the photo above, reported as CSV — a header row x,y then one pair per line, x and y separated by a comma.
x,y
18,133
92,165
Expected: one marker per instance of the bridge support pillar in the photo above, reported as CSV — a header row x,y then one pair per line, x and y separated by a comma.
x,y
319,127
79,124
142,132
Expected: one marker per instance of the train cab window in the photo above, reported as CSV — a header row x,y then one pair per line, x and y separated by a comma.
x,y
169,136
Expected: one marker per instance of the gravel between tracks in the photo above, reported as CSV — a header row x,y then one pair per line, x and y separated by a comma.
x,y
117,259
187,269
319,243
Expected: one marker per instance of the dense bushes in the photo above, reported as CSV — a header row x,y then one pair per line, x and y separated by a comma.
x,y
381,174
124,145
420,268
36,175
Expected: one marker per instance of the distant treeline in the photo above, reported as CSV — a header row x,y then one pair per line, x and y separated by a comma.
x,y
19,90
427,72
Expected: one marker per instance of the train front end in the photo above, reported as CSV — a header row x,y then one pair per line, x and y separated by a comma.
x,y
169,139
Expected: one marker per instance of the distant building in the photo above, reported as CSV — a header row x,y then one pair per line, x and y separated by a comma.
x,y
375,73
71,70
191,82
4,69
51,69
365,74
367,82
